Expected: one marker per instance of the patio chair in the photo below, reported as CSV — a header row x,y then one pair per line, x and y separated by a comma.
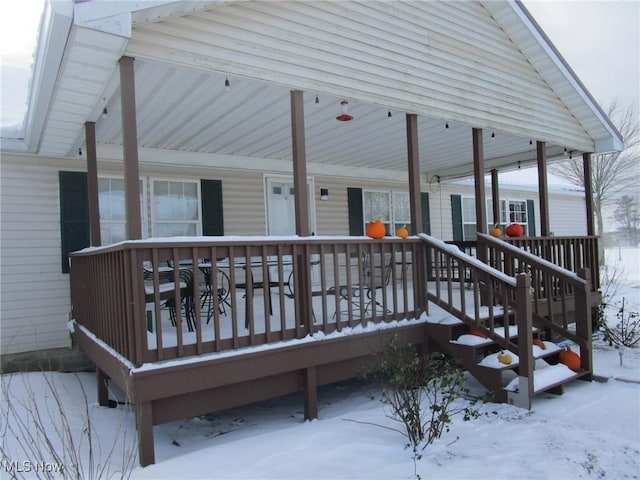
x,y
377,277
167,293
223,290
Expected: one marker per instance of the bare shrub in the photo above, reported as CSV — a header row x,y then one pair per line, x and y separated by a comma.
x,y
421,392
51,433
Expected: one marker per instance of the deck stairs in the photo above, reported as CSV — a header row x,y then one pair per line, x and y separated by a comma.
x,y
476,334
478,354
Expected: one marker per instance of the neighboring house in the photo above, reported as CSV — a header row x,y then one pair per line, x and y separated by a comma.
x,y
231,120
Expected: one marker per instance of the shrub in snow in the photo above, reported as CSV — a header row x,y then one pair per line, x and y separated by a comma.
x,y
626,333
421,392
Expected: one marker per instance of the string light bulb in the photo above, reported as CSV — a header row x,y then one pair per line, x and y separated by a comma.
x,y
446,126
227,84
79,151
493,134
105,113
389,115
317,101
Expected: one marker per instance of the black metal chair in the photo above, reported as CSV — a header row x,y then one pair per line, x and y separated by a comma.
x,y
167,293
222,287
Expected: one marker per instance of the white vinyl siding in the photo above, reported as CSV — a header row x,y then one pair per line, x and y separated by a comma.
x,y
34,304
442,59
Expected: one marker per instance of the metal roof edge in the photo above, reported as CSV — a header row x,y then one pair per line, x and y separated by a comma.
x,y
53,34
617,143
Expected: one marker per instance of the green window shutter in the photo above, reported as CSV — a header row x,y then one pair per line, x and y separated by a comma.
x,y
356,211
426,217
456,216
212,213
531,219
74,214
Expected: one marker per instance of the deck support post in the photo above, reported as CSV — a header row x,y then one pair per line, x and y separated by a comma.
x,y
144,426
543,192
583,323
310,394
92,183
413,160
495,196
588,193
522,398
301,263
130,149
481,203
102,380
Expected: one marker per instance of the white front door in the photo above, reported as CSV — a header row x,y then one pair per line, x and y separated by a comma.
x,y
281,219
281,206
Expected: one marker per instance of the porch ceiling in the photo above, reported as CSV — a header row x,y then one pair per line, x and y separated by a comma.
x,y
188,110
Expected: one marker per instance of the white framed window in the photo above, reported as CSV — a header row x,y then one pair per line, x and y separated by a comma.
x,y
113,210
511,211
175,208
390,207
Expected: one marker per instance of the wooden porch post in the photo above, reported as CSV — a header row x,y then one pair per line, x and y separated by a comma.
x,y
588,193
92,183
413,159
303,279
130,149
525,392
478,175
299,164
495,196
543,193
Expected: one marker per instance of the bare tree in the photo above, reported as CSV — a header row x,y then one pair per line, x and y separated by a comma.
x,y
628,218
613,173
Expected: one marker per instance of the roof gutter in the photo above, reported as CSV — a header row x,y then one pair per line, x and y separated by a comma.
x,y
55,26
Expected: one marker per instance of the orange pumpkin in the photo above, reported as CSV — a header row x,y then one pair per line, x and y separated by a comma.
x,y
402,232
495,231
540,343
514,230
376,229
570,359
476,332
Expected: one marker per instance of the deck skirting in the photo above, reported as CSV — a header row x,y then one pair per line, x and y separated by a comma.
x,y
189,388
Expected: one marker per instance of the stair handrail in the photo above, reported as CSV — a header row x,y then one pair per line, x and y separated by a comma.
x,y
481,274
545,272
489,283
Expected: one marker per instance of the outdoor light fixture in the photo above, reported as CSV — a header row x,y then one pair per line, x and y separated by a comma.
x,y
105,114
324,194
344,116
227,84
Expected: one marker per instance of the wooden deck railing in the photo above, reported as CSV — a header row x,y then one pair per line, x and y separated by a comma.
x,y
571,253
147,301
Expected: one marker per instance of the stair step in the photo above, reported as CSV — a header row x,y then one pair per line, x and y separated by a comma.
x,y
475,341
547,378
491,360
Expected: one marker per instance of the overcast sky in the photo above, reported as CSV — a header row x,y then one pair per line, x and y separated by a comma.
x,y
599,39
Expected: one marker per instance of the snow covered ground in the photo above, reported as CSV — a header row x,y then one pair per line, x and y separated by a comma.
x,y
591,431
